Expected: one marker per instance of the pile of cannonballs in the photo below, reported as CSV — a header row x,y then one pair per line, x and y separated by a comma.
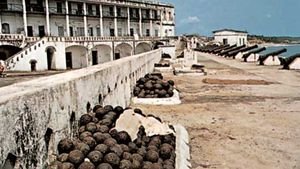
x,y
153,86
99,146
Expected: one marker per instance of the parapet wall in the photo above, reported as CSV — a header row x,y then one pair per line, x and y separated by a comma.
x,y
36,114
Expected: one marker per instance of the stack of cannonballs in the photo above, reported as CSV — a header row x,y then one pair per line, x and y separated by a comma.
x,y
153,86
101,147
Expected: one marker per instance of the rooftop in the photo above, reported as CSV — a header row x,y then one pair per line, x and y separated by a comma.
x,y
230,30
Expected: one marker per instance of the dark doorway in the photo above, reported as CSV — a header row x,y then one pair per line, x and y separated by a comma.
x,y
131,31
91,32
29,31
147,32
117,56
71,31
112,32
59,7
69,60
41,31
94,57
225,41
33,65
50,53
5,28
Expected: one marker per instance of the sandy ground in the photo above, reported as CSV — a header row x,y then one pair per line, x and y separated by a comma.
x,y
234,124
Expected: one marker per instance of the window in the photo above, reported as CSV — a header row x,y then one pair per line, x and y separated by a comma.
x,y
59,7
243,41
119,31
112,32
119,12
70,8
90,9
91,32
60,31
97,10
156,32
5,28
111,11
98,31
71,31
147,32
79,9
80,31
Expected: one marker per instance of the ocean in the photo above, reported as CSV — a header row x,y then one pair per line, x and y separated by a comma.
x,y
291,49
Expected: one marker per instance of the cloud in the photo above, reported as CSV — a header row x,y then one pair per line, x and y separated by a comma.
x,y
191,20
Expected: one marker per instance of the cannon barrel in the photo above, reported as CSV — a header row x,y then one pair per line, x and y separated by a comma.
x,y
225,52
235,52
220,47
262,58
245,56
225,48
288,60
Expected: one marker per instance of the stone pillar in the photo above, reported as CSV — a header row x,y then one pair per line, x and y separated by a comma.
x,y
151,23
25,17
161,26
128,21
115,21
85,20
67,19
48,33
140,22
101,20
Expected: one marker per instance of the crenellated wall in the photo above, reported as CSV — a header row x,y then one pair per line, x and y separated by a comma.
x,y
47,108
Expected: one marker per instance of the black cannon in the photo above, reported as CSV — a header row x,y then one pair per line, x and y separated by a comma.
x,y
288,60
262,58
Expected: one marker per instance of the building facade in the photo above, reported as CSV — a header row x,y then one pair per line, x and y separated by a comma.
x,y
87,18
231,37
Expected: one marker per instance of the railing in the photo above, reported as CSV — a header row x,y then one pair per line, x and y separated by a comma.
x,y
109,14
79,12
55,10
11,37
35,8
11,7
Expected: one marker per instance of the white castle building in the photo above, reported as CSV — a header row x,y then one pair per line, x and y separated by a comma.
x,y
231,37
61,34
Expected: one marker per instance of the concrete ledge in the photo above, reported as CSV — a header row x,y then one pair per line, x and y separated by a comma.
x,y
182,148
163,69
174,100
55,103
190,72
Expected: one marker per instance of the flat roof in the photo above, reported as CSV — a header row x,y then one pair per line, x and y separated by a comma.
x,y
230,30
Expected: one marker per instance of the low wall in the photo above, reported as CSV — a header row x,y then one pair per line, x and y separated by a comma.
x,y
36,114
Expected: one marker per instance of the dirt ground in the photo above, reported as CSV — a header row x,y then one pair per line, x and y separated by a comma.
x,y
234,125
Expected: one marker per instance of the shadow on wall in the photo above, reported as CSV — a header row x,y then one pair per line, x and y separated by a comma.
x,y
142,47
7,51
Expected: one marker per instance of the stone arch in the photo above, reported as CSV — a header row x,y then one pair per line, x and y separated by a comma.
x,y
123,50
7,51
51,57
142,47
76,57
104,53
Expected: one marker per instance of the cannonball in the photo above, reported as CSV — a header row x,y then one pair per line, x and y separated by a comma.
x,y
119,110
132,147
100,112
170,93
138,111
112,159
168,167
123,137
125,148
102,148
137,157
156,166
109,108
76,157
112,115
81,129
136,164
106,122
66,165
165,85
162,93
117,149
85,134
91,127
102,129
152,156
110,142
138,142
65,146
142,151
171,82
96,107
114,133
95,157
85,119
101,137
147,165
90,141
168,162
125,164
84,148
156,140
63,157
127,156
104,166
165,151
86,165
152,147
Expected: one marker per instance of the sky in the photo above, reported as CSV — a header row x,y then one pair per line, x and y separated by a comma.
x,y
259,17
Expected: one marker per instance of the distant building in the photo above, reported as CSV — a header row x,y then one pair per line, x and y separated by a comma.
x,y
231,37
